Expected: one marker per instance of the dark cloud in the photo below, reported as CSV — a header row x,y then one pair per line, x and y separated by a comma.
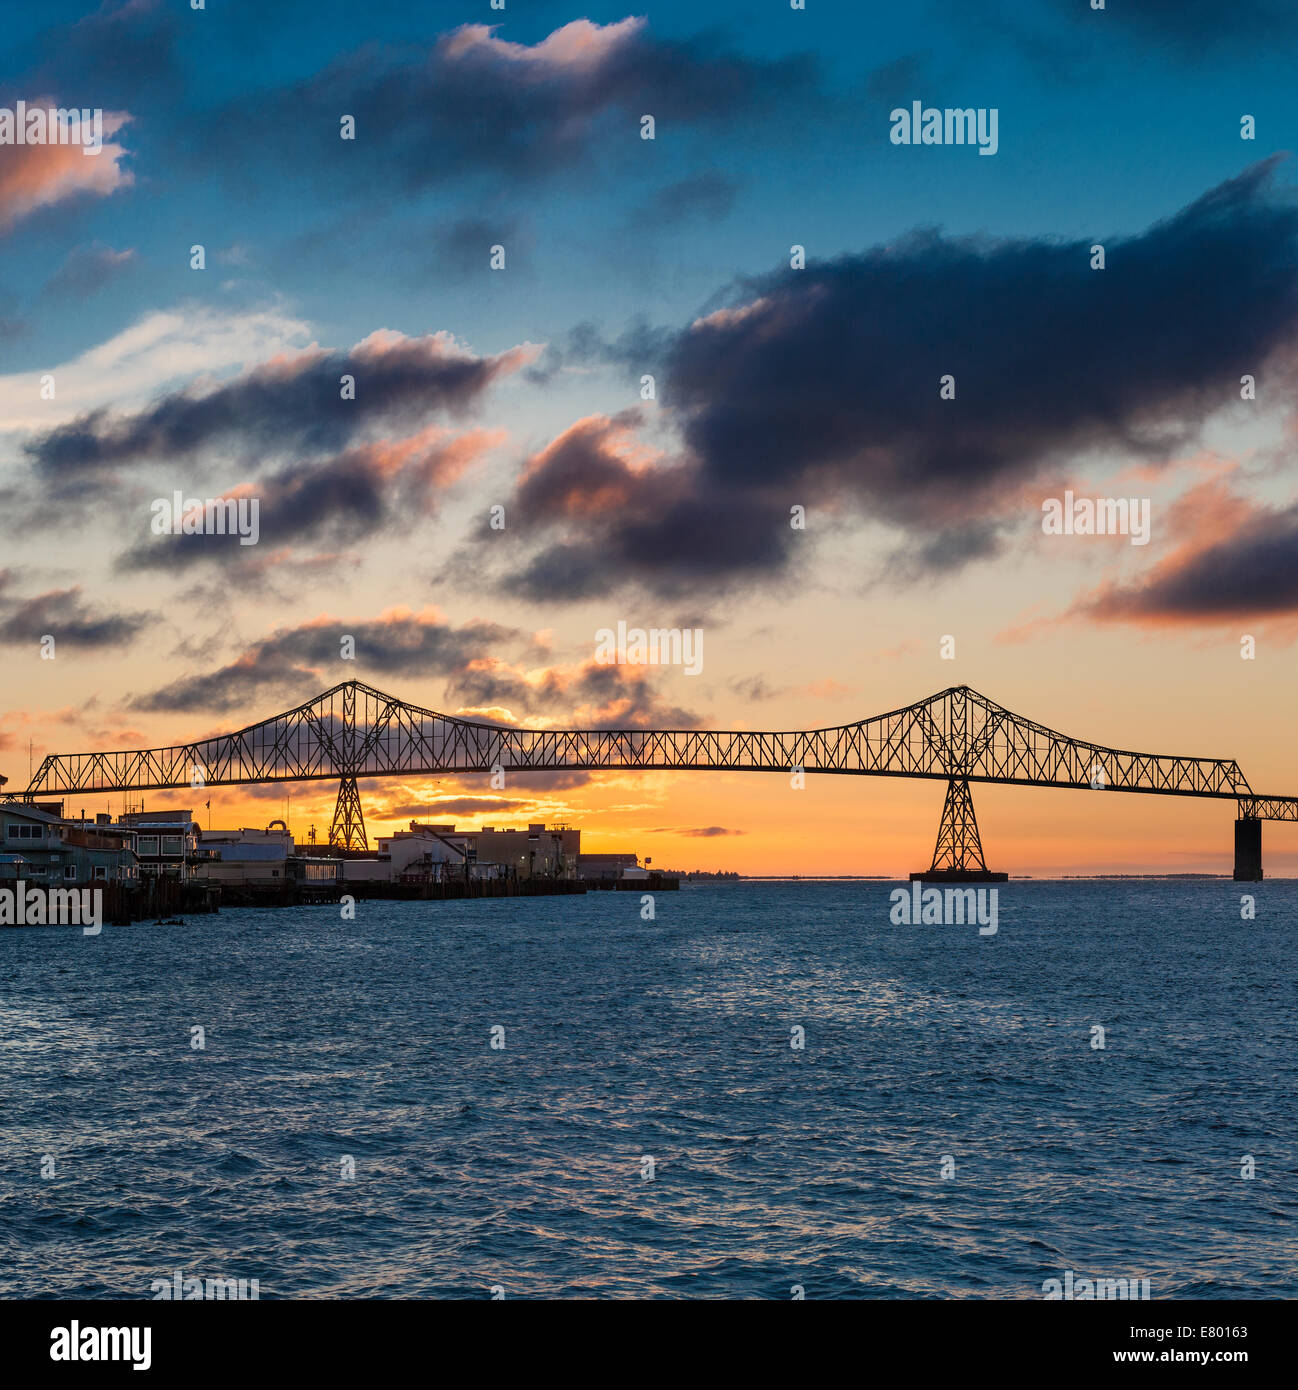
x,y
457,806
88,269
640,348
296,663
551,781
293,403
831,375
372,489
942,553
1249,573
123,53
821,386
65,615
669,527
1188,26
708,195
706,832
463,247
755,689
591,696
478,103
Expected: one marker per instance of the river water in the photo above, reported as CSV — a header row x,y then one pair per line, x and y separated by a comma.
x,y
947,1127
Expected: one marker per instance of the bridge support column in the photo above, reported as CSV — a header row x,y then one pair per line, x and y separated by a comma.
x,y
1248,850
348,828
958,854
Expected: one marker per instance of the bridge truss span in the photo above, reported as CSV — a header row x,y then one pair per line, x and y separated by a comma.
x,y
353,731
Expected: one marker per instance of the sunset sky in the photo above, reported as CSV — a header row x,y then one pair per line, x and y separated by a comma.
x,y
775,387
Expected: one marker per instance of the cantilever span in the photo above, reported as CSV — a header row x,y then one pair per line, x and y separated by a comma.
x,y
958,736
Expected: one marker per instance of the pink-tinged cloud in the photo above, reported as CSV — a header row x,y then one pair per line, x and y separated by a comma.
x,y
594,467
578,47
371,492
37,176
1238,562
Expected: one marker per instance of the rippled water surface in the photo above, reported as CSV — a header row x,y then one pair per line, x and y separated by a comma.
x,y
624,1038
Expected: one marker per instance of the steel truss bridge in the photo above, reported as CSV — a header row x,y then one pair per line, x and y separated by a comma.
x,y
958,736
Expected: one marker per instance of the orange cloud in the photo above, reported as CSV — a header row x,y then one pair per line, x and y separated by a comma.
x,y
36,176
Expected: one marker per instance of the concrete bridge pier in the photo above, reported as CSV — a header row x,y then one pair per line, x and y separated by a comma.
x,y
1248,850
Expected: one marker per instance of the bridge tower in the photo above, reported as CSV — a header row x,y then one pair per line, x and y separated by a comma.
x,y
1248,848
348,828
958,853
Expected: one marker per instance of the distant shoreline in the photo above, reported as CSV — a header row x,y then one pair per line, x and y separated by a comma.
x,y
900,878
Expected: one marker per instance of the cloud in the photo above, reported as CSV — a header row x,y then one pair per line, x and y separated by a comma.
x,y
756,689
477,103
293,401
1238,563
38,176
455,806
588,696
156,351
551,781
123,52
65,615
1189,26
629,514
830,375
89,269
382,488
707,832
463,247
296,663
820,387
709,195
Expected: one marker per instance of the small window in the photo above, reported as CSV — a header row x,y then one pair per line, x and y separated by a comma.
x,y
101,873
148,844
69,871
15,831
171,844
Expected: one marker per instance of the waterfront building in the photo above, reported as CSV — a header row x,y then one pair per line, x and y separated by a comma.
x,y
167,843
246,857
537,852
42,847
597,868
